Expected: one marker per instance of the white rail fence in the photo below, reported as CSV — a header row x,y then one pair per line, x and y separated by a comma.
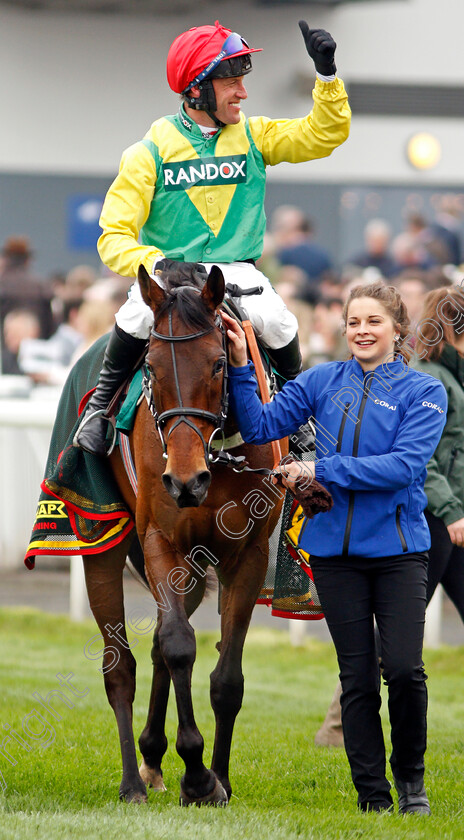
x,y
25,430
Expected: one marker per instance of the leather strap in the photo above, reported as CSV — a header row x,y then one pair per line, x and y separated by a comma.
x,y
256,359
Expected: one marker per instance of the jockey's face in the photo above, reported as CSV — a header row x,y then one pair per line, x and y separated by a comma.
x,y
370,332
229,94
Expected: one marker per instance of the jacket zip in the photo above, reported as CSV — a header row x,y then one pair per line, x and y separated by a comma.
x,y
342,427
349,518
404,544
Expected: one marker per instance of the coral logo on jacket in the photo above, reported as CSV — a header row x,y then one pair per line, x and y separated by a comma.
x,y
182,175
433,405
385,404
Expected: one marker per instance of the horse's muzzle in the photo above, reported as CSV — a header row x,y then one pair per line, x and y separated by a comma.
x,y
191,493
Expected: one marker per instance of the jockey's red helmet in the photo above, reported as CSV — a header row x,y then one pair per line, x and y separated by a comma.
x,y
207,52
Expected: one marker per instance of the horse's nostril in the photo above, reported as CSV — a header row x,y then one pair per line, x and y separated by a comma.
x,y
172,485
191,493
201,482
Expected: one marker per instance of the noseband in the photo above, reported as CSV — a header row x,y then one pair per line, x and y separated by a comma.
x,y
182,412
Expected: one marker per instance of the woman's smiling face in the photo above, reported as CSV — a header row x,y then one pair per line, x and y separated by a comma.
x,y
370,332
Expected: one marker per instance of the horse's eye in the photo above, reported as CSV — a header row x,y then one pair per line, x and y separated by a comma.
x,y
218,366
150,370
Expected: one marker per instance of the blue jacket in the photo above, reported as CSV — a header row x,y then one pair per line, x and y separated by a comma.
x,y
375,433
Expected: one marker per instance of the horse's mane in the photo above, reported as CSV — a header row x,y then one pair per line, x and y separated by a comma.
x,y
180,286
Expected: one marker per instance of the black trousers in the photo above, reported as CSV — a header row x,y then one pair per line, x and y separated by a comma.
x,y
446,564
353,591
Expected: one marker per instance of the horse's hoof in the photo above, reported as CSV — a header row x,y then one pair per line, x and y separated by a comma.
x,y
217,797
133,795
152,778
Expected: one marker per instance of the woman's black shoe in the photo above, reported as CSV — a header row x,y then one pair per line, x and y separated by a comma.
x,y
412,798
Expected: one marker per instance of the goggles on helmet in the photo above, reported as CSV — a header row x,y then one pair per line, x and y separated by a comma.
x,y
237,62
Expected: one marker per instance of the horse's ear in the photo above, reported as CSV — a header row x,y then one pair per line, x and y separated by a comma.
x,y
152,294
214,288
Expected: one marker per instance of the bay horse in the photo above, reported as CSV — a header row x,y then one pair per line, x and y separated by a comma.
x,y
180,493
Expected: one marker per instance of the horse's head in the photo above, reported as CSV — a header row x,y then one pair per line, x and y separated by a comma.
x,y
187,363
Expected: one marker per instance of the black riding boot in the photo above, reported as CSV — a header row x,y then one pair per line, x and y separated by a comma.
x,y
121,354
288,359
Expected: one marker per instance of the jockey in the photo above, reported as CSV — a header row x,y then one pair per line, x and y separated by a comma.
x,y
192,190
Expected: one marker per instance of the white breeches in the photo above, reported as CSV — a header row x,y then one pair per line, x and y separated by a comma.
x,y
274,324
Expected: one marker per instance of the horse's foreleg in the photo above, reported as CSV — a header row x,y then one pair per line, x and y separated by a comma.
x,y
178,649
103,574
153,742
238,599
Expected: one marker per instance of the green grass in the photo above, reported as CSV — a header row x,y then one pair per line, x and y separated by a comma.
x,y
284,786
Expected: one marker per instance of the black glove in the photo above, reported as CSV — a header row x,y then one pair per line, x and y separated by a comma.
x,y
321,48
183,269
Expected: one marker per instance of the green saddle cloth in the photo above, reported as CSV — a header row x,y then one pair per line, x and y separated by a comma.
x,y
80,508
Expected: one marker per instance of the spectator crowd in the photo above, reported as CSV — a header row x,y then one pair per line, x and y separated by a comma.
x,y
48,322
424,255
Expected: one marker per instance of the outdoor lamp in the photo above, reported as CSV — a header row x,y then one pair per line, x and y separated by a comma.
x,y
423,150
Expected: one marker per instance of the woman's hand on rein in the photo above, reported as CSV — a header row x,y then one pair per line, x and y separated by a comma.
x,y
292,470
237,342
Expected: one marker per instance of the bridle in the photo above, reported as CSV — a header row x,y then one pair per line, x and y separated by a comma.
x,y
181,412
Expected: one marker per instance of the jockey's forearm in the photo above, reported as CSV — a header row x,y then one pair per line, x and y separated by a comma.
x,y
123,254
